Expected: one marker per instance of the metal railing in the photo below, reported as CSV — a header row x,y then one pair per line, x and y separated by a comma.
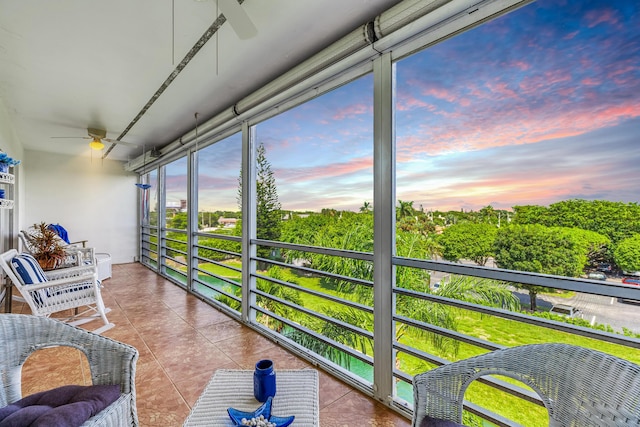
x,y
289,304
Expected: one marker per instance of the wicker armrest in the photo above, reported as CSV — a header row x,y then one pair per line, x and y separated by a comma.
x,y
75,272
110,361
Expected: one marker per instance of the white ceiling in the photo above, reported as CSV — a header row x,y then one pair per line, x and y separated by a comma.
x,y
66,65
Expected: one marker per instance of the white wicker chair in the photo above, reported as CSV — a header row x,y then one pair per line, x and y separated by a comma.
x,y
111,362
74,250
66,288
579,387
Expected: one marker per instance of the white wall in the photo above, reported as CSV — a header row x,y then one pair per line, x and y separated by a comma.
x,y
93,200
11,144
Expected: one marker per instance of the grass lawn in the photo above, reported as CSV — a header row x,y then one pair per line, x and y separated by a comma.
x,y
490,328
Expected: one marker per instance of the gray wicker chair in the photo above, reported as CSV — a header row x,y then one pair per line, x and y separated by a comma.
x,y
111,362
579,386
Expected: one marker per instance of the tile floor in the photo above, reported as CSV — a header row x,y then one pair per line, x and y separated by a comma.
x,y
182,341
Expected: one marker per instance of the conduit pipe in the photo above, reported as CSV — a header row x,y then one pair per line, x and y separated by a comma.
x,y
349,51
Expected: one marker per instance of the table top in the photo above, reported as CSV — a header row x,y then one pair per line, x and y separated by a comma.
x,y
296,394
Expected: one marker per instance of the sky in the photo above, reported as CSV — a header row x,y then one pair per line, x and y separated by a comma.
x,y
537,106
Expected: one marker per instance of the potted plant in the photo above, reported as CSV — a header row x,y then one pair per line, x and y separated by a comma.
x,y
6,161
47,248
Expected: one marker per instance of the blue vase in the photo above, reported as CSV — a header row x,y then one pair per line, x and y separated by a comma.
x,y
264,380
4,167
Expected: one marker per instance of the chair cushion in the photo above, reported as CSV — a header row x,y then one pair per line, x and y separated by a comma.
x,y
28,269
67,406
60,231
427,421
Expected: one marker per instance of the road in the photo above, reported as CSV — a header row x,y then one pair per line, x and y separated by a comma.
x,y
595,309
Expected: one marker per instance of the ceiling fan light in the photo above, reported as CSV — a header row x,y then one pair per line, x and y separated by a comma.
x,y
96,144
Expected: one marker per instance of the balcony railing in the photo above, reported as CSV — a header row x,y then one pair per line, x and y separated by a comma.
x,y
329,318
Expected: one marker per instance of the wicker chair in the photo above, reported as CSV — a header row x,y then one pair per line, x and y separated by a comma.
x,y
111,362
75,252
578,386
64,289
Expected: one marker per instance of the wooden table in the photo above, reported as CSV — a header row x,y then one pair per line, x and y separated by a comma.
x,y
296,394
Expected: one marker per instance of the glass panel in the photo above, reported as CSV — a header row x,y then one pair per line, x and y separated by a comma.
x,y
517,149
315,188
219,261
176,208
149,219
525,157
320,157
149,198
176,194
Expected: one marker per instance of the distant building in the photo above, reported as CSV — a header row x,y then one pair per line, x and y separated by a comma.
x,y
227,222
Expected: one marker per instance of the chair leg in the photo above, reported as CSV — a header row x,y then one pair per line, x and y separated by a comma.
x,y
100,312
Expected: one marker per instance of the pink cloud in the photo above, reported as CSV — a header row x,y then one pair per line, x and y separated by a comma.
x,y
502,89
536,83
408,102
602,16
301,174
440,94
590,81
509,188
517,126
351,111
522,65
571,35
623,68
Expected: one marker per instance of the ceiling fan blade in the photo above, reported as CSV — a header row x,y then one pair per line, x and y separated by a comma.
x,y
238,18
70,137
115,141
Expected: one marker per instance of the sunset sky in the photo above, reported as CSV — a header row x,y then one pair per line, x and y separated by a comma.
x,y
538,106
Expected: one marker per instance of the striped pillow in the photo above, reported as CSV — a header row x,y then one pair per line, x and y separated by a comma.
x,y
28,269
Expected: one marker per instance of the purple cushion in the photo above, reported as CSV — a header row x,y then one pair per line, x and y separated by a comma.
x,y
67,406
435,422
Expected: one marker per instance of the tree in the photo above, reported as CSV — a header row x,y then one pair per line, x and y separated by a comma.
x,y
278,291
616,220
468,241
178,221
366,207
487,292
528,214
404,209
269,215
627,254
551,250
488,215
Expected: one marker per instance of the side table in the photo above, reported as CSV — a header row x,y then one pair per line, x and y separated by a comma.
x,y
296,394
103,263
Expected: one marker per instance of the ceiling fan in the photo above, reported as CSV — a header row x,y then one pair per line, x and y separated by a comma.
x,y
97,136
237,17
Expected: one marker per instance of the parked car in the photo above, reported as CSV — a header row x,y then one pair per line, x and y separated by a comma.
x,y
631,281
604,267
565,310
597,275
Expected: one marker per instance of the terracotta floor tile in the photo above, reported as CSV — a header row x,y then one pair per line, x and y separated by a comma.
x,y
182,341
353,408
49,368
191,388
332,389
224,330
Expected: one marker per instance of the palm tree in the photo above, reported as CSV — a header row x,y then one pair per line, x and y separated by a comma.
x,y
404,209
279,291
273,289
338,334
366,207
